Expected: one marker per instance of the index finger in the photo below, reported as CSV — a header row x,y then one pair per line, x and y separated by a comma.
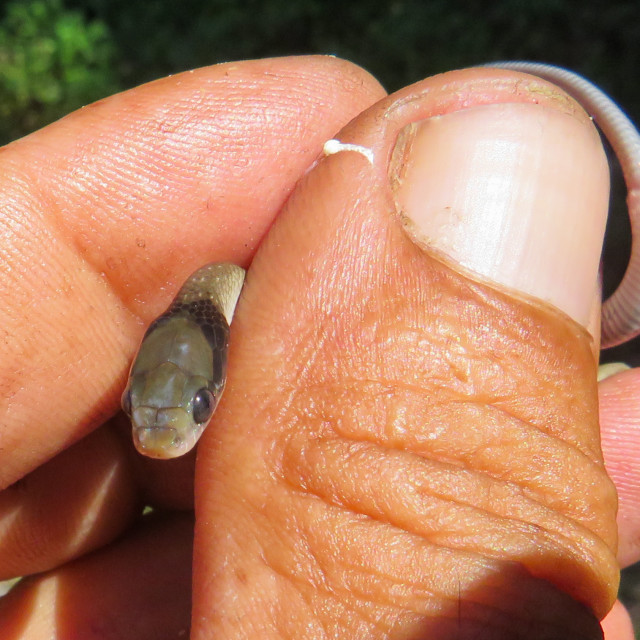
x,y
105,207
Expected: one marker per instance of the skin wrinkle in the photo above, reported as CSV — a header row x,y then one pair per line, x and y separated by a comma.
x,y
569,538
304,409
545,487
304,586
344,425
351,508
365,611
300,485
389,514
447,384
423,597
347,590
568,450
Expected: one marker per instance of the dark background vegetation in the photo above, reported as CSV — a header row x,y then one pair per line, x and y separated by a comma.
x,y
57,55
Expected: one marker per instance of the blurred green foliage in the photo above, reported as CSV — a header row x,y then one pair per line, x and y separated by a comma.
x,y
56,55
52,60
399,41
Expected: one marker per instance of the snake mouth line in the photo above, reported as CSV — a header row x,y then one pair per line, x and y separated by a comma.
x,y
156,441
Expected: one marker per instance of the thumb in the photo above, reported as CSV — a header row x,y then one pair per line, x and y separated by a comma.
x,y
409,442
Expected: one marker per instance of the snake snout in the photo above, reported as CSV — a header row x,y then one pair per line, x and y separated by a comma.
x,y
157,442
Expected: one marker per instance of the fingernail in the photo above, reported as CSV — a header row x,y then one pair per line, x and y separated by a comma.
x,y
516,193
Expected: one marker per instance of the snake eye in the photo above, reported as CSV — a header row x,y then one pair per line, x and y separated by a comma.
x,y
203,406
126,401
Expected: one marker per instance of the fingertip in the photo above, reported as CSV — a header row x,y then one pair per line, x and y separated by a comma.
x,y
138,588
619,397
618,625
78,501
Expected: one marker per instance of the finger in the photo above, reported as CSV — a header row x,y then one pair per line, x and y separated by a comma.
x,y
404,449
139,588
617,625
619,416
106,211
75,503
82,499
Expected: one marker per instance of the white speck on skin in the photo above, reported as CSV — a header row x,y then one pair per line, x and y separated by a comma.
x,y
335,146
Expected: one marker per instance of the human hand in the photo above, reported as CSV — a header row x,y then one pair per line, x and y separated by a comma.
x,y
106,212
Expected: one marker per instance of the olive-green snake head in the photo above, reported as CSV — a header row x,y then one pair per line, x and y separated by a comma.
x,y
179,372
